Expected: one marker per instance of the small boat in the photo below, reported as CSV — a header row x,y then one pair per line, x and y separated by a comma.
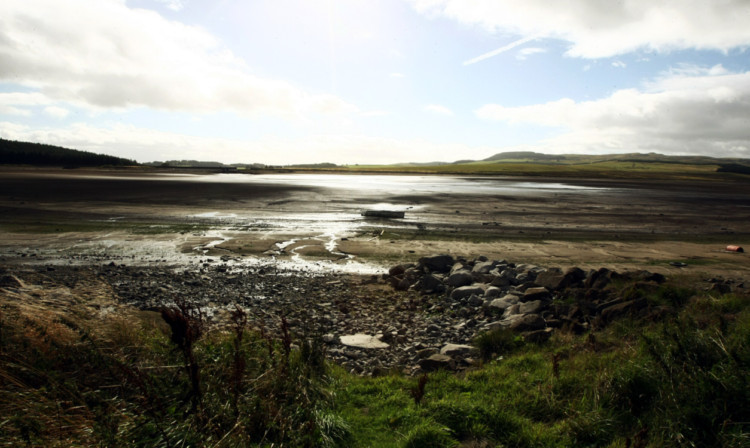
x,y
383,214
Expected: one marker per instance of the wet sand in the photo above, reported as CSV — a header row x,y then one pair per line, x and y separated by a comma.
x,y
103,214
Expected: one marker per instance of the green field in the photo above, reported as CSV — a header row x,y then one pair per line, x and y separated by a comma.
x,y
597,170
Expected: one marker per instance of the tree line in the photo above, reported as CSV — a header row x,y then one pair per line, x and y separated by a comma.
x,y
37,154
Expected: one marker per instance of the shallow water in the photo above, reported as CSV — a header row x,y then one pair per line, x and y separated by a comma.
x,y
399,185
327,208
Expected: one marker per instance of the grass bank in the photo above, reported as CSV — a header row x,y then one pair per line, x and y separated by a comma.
x,y
72,378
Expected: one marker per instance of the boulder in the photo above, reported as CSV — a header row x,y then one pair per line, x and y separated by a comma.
x,y
483,267
475,300
431,284
538,293
398,269
503,303
362,341
551,279
512,310
460,266
647,276
436,362
492,292
426,352
466,291
574,276
458,350
597,279
506,322
528,322
438,263
460,278
532,307
622,309
500,281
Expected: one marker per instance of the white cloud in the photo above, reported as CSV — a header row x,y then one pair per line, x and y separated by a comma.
x,y
438,109
146,145
174,5
598,29
19,103
693,111
102,54
375,113
500,50
526,52
619,64
57,112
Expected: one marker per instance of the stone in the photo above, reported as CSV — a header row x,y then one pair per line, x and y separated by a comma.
x,y
528,322
512,310
597,279
460,266
622,309
426,353
551,279
460,278
329,338
574,276
503,303
647,276
475,300
436,362
539,293
532,307
466,291
431,284
492,292
503,323
458,350
483,267
438,263
362,341
500,281
397,270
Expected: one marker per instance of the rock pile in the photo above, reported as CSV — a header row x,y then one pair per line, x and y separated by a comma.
x,y
419,317
530,300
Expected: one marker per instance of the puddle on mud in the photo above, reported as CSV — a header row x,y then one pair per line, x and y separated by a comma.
x,y
306,233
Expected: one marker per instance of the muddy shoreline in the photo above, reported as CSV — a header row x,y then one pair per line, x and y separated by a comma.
x,y
304,253
178,218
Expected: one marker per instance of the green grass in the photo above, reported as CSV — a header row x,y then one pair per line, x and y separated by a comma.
x,y
613,169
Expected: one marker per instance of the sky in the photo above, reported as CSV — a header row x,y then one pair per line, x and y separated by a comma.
x,y
376,81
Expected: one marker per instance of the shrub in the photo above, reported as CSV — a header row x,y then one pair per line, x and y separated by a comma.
x,y
497,342
704,379
429,435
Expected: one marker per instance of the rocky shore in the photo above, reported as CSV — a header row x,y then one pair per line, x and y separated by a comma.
x,y
419,317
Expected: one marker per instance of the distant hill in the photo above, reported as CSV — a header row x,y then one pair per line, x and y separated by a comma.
x,y
535,157
37,154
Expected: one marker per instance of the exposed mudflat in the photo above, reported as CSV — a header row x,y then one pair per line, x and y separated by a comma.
x,y
314,223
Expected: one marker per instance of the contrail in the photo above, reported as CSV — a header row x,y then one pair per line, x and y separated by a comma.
x,y
492,53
